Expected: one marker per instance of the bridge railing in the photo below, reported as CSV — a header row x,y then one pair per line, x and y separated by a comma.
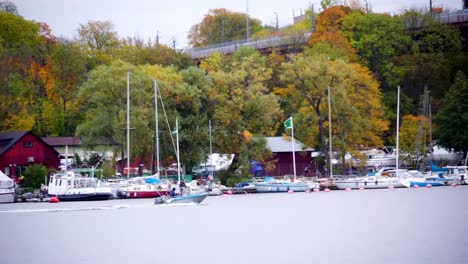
x,y
453,17
230,47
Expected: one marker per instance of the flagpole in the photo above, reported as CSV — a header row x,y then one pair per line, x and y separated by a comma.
x,y
330,133
178,157
211,152
293,150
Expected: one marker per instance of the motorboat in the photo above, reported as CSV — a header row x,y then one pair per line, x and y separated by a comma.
x,y
382,179
70,186
139,188
193,198
456,174
281,186
7,189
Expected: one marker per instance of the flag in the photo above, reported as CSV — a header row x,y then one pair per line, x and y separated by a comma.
x,y
174,132
288,123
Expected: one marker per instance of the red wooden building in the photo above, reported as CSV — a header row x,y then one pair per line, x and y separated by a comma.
x,y
282,150
18,150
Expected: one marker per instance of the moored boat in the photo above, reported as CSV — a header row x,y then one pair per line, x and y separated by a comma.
x,y
281,186
69,186
7,189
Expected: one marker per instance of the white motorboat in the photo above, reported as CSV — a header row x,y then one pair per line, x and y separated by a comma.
x,y
7,189
194,198
281,186
69,186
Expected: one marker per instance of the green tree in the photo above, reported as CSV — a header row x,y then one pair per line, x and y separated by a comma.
x,y
378,39
242,105
104,102
34,176
452,120
99,39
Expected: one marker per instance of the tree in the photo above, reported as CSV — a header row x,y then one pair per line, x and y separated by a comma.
x,y
378,40
104,102
452,120
356,100
328,30
34,176
99,39
19,53
222,25
408,138
241,105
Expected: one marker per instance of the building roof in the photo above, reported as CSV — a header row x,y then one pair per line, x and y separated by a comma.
x,y
62,141
8,139
284,144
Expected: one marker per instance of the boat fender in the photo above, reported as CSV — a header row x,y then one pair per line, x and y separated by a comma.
x,y
54,200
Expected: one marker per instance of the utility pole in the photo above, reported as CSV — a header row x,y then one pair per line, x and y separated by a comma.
x,y
222,31
276,14
247,18
430,7
312,18
367,7
157,38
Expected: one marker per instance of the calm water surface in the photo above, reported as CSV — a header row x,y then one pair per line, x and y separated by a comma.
x,y
371,226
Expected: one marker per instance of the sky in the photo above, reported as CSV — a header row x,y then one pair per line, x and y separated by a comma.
x,y
172,19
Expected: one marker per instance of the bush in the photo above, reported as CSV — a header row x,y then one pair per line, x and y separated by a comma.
x,y
34,176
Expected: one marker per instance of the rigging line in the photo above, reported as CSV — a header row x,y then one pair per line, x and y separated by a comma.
x,y
167,121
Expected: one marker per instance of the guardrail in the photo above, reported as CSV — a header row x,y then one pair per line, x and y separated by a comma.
x,y
230,47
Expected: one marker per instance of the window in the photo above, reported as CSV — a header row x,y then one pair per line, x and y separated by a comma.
x,y
27,144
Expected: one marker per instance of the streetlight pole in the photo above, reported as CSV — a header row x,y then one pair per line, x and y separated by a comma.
x,y
276,14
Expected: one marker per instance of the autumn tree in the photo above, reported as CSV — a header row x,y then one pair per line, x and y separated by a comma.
x,y
409,149
328,30
221,25
356,111
19,42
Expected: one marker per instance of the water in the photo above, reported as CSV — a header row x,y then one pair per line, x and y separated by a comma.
x,y
371,226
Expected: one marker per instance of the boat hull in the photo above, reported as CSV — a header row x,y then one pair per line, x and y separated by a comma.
x,y
195,198
265,187
7,195
374,184
84,197
145,194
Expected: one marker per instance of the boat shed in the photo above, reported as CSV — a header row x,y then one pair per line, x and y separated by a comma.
x,y
18,150
282,149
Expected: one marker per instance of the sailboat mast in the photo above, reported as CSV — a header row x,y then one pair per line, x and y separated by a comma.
x,y
397,130
156,92
330,132
128,124
211,150
178,157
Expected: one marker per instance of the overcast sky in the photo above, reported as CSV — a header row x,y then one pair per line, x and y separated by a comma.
x,y
174,18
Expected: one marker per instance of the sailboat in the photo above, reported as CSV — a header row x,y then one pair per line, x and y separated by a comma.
x,y
182,198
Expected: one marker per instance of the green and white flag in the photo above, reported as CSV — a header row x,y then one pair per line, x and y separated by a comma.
x,y
174,132
288,122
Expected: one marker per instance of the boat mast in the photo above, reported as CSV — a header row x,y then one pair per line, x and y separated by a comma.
x,y
156,92
330,132
211,151
128,124
178,157
397,130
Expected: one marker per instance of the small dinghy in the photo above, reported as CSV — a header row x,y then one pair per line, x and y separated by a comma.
x,y
194,198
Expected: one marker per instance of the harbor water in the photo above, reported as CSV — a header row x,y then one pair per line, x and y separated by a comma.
x,y
425,225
